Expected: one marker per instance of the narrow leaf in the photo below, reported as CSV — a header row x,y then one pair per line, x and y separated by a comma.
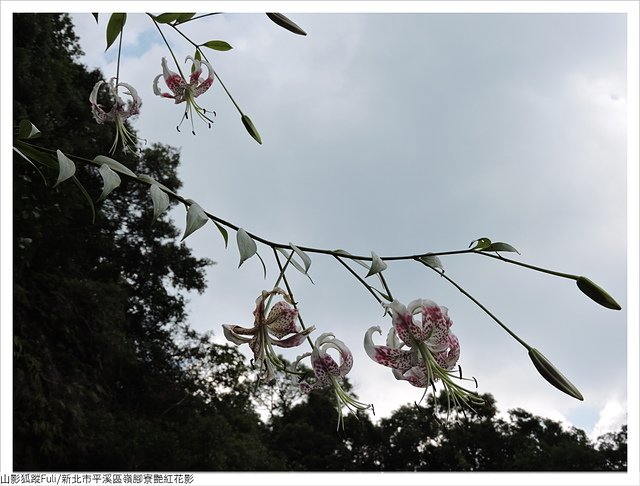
x,y
66,168
597,294
160,201
44,179
500,246
114,164
166,18
346,253
196,219
217,45
151,181
27,130
248,124
37,155
114,27
87,197
377,265
480,244
184,17
110,180
306,261
223,231
246,246
295,264
552,375
264,267
433,261
95,16
286,23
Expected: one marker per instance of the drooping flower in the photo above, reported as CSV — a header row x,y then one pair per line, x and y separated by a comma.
x,y
119,112
421,351
328,373
187,91
269,330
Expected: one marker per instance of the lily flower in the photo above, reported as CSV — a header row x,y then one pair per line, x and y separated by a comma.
x,y
269,330
118,114
187,91
423,351
328,373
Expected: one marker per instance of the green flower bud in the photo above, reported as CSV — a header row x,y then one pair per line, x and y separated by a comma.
x,y
248,124
596,293
552,375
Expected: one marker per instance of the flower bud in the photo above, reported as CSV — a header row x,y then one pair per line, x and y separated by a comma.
x,y
248,124
552,375
596,293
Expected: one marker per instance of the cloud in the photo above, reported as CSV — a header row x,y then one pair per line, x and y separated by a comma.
x,y
612,416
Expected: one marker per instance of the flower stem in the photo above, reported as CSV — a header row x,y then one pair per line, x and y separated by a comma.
x,y
167,44
467,294
360,279
532,267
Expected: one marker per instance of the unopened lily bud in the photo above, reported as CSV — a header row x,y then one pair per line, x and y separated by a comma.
x,y
552,375
248,124
597,293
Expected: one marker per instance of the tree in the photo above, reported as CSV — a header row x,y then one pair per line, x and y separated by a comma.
x,y
100,380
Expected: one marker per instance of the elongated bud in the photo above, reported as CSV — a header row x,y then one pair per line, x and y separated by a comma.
x,y
597,293
552,375
248,124
286,23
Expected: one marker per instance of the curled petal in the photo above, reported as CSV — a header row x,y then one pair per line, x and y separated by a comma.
x,y
234,333
387,356
293,340
282,319
323,364
448,358
436,324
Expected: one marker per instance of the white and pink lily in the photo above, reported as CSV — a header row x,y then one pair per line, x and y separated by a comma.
x,y
118,114
269,330
328,373
183,91
421,351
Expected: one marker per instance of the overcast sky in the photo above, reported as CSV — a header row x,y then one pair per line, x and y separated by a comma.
x,y
407,133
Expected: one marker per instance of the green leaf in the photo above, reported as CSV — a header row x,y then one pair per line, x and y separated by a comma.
x,y
223,231
596,293
110,180
114,164
35,154
151,181
377,265
114,27
480,244
184,17
95,16
286,23
166,18
27,130
500,246
217,45
264,267
160,201
295,264
44,179
196,218
306,261
552,375
66,168
87,197
246,246
248,124
433,261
